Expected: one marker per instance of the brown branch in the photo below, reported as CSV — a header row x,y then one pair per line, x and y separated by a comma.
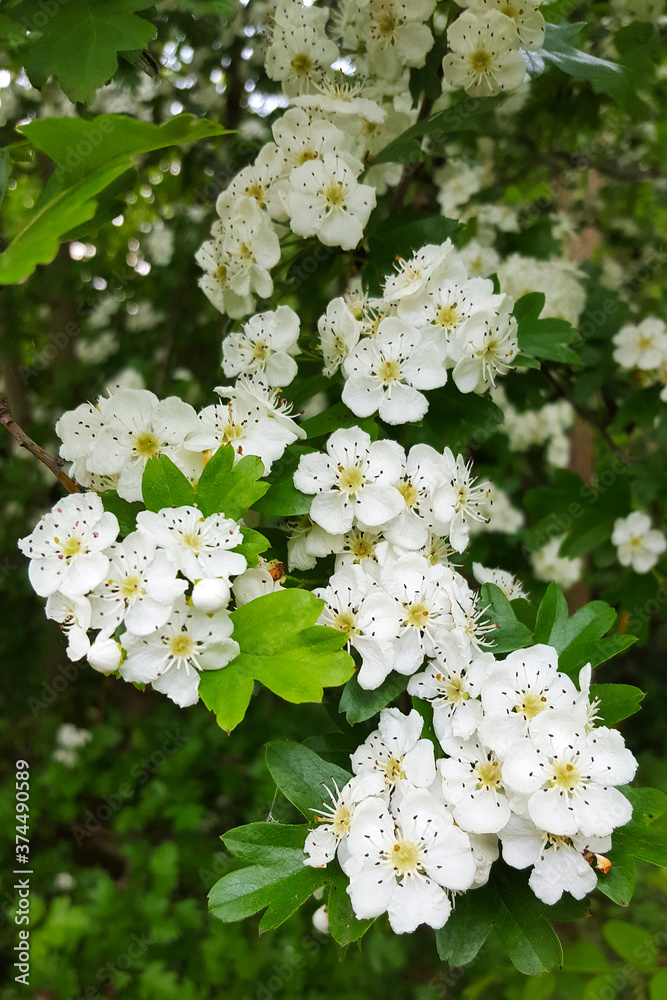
x,y
20,436
410,170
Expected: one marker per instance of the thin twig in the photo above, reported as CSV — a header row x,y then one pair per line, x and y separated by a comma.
x,y
19,435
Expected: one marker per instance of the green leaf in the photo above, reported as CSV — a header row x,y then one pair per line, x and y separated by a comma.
x,y
544,338
559,51
468,927
80,42
164,485
125,511
457,419
343,925
643,842
634,944
510,634
225,488
522,924
584,957
333,418
5,170
283,499
578,640
617,701
647,803
469,113
300,775
552,611
658,985
359,704
279,882
619,883
90,155
253,543
283,649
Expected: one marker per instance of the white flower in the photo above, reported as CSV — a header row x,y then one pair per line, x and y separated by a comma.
x,y
549,566
485,346
459,501
348,611
73,614
559,280
307,542
397,35
170,659
265,347
425,473
253,422
421,617
519,689
427,268
299,55
453,685
643,346
339,332
472,784
507,582
569,777
336,817
139,588
638,545
559,863
527,18
402,865
385,372
457,182
200,547
136,426
484,55
257,581
66,548
328,202
396,751
105,655
353,481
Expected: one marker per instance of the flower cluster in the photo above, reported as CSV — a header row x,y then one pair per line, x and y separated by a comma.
x,y
431,318
158,598
545,427
642,348
519,763
109,442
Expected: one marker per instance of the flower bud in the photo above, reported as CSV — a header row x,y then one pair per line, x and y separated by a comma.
x,y
104,655
321,920
210,595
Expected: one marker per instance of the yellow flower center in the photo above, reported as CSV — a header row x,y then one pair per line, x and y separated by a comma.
x,y
565,776
645,343
146,444
389,371
260,351
181,646
72,547
409,493
245,251
362,549
193,540
454,690
302,64
341,821
334,195
231,432
404,856
448,316
345,622
350,480
489,775
416,615
221,274
256,191
511,11
531,705
394,770
131,587
386,24
306,155
481,61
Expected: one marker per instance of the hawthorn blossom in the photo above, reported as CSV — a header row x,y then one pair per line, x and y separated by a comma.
x,y
171,658
569,777
328,202
336,817
525,14
472,785
66,548
642,346
385,372
484,347
452,685
139,588
507,582
200,547
264,347
637,543
339,331
396,751
402,860
484,55
73,614
459,500
352,481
